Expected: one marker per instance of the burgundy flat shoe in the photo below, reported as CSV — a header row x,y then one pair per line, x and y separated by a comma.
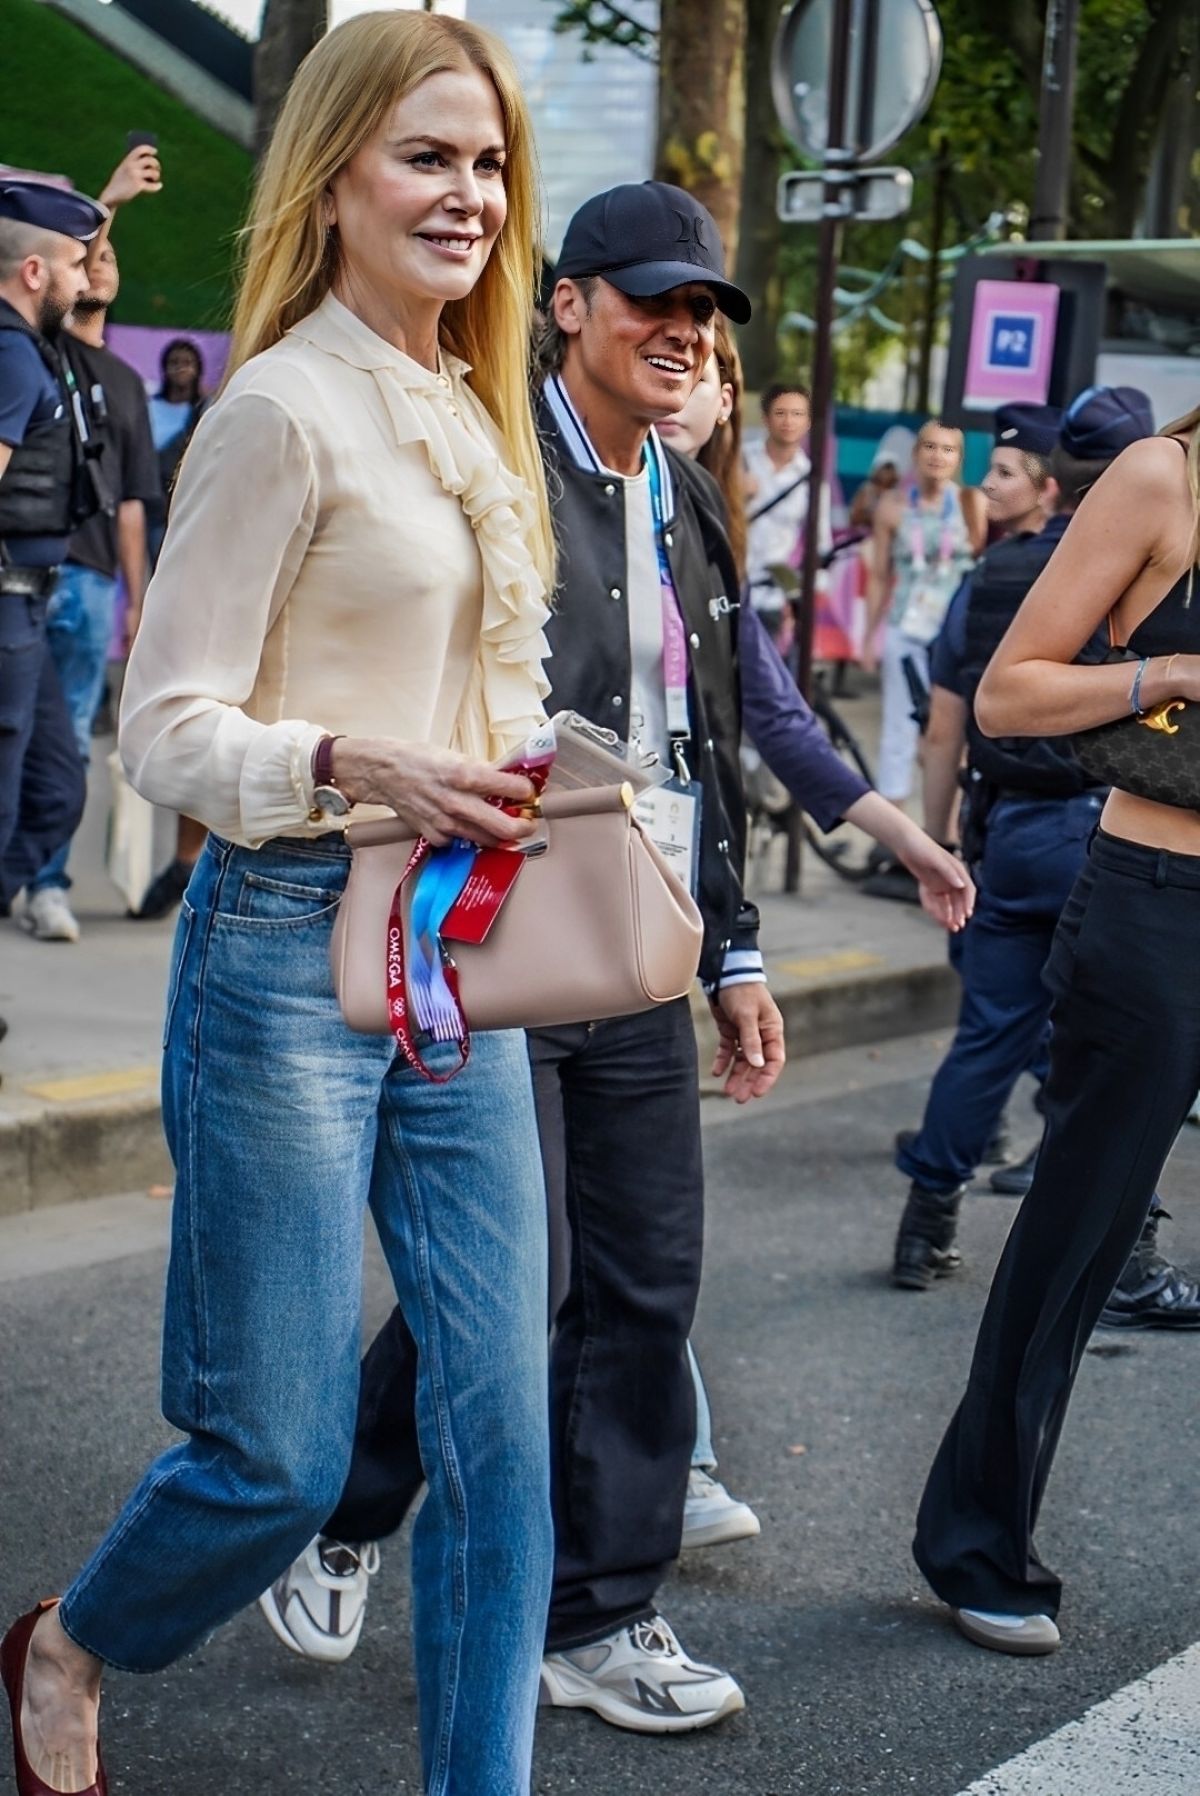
x,y
14,1650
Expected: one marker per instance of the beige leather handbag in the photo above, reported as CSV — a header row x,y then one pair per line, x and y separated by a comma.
x,y
596,926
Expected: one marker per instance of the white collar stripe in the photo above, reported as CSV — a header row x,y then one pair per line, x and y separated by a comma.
x,y
582,450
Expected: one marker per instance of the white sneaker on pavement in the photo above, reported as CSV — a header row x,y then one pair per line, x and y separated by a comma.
x,y
640,1678
711,1516
46,914
317,1606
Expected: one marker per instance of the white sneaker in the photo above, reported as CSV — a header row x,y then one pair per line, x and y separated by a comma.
x,y
711,1515
46,914
640,1678
1027,1636
318,1604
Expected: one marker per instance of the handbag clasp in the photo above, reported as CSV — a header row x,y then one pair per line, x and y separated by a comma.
x,y
1160,717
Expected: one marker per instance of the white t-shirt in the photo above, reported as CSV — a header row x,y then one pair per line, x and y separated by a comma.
x,y
774,538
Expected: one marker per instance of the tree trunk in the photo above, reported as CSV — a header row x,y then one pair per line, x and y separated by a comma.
x,y
761,232
702,105
290,28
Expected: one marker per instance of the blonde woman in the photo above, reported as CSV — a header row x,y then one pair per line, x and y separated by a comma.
x,y
925,537
1125,1048
347,617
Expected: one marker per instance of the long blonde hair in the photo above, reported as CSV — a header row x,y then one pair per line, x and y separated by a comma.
x,y
1189,426
341,96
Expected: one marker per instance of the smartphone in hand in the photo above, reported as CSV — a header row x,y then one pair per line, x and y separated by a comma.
x,y
135,140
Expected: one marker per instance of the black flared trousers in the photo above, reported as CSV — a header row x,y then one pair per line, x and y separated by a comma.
x,y
1124,972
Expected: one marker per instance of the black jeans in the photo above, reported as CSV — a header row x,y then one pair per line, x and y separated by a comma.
x,y
43,783
619,1116
1124,1071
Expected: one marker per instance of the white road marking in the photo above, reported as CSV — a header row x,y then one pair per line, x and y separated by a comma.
x,y
1143,1740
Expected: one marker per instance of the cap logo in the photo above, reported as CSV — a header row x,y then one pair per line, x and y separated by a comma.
x,y
690,237
1010,432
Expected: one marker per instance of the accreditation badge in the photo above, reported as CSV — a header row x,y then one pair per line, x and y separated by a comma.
x,y
670,816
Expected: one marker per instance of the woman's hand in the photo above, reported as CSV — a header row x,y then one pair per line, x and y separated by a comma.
x,y
946,889
438,793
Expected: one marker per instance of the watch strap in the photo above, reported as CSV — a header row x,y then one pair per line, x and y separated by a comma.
x,y
322,761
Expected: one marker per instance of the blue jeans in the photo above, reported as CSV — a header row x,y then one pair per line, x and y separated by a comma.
x,y
704,1456
283,1127
1035,848
79,628
42,785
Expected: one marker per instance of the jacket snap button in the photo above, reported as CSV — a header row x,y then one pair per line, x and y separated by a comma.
x,y
618,701
610,489
670,540
694,640
614,592
708,742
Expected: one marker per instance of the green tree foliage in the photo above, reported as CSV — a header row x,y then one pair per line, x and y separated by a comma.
x,y
982,129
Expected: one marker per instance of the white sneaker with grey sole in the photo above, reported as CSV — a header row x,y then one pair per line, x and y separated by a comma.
x,y
317,1605
711,1516
46,914
640,1678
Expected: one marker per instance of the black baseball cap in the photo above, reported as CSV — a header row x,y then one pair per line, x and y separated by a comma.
x,y
646,238
49,208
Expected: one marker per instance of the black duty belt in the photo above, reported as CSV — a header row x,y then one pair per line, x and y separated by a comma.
x,y
27,582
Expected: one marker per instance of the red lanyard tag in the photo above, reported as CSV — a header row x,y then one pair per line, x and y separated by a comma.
x,y
477,906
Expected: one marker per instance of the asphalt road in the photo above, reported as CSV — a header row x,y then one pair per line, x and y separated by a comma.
x,y
829,1392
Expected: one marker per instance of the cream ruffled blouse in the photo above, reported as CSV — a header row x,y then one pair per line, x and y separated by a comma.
x,y
347,554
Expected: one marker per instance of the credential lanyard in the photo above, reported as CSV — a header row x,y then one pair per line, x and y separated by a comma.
x,y
675,655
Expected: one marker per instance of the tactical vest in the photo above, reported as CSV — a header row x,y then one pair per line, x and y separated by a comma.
x,y
1043,766
46,489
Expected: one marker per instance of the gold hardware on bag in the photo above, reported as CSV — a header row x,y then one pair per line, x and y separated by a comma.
x,y
1160,717
627,795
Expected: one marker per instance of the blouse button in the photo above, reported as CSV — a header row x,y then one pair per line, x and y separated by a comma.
x,y
443,381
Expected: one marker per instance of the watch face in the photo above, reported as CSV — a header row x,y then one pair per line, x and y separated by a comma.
x,y
331,801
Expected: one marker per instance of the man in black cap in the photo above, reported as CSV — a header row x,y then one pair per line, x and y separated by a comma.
x,y
46,489
644,639
1028,815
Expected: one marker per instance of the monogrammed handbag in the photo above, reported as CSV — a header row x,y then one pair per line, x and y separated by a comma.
x,y
596,925
1153,755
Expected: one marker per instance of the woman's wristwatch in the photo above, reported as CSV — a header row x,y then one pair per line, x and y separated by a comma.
x,y
329,801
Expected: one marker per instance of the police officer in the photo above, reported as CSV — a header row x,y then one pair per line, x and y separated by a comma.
x,y
47,487
1027,817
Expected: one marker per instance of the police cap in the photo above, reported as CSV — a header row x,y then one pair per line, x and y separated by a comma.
x,y
1031,428
48,208
1102,421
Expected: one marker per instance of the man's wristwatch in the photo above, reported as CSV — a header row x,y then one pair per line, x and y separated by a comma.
x,y
329,801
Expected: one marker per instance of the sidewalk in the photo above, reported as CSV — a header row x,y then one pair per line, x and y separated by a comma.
x,y
79,1107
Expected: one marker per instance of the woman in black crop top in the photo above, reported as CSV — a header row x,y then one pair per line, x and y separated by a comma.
x,y
1125,1054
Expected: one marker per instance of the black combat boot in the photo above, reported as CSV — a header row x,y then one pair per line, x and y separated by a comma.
x,y
1151,1293
925,1247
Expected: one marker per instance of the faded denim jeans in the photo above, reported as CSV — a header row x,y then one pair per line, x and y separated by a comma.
x,y
283,1126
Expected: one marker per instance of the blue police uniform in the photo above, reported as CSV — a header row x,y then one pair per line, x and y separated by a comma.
x,y
42,782
1034,847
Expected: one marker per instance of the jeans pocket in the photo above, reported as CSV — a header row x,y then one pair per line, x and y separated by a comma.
x,y
183,936
265,902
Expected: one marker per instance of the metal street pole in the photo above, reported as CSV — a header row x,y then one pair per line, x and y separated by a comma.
x,y
829,248
1052,187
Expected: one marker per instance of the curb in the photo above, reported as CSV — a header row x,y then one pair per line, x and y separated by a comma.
x,y
61,1154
